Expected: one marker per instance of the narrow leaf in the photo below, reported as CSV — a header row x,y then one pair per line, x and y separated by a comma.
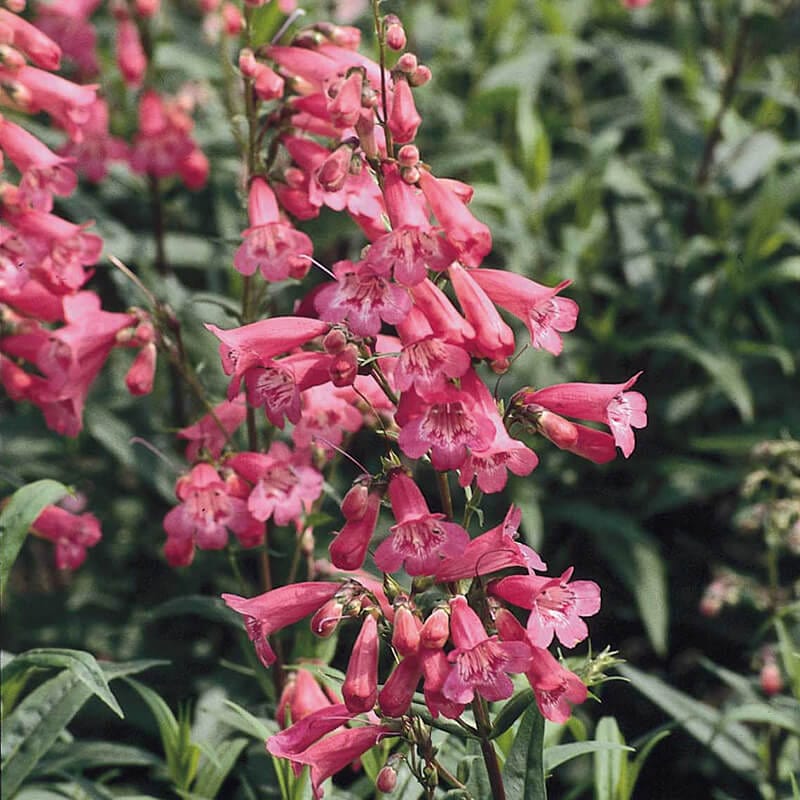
x,y
211,775
561,753
608,763
523,774
17,517
34,725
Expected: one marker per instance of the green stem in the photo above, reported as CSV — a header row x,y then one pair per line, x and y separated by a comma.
x,y
481,711
444,494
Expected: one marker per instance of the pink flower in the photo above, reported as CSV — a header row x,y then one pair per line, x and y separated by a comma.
x,y
544,314
284,487
556,605
360,687
490,552
306,731
335,752
471,239
441,314
609,403
480,662
97,148
325,421
43,172
163,140
429,363
491,464
274,610
271,245
404,120
419,539
255,344
212,434
72,534
139,378
493,338
361,508
302,695
210,507
362,297
28,38
131,57
397,693
554,686
447,423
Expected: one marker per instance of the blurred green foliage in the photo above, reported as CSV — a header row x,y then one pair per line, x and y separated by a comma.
x,y
653,157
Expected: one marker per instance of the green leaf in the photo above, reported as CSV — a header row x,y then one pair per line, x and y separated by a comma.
x,y
636,766
83,665
212,774
511,712
561,753
478,783
764,714
733,743
523,773
34,725
81,755
609,765
17,517
244,721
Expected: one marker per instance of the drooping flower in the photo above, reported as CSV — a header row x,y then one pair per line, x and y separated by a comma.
x,y
480,662
274,610
285,484
360,687
71,533
609,403
210,433
419,539
556,605
543,312
361,508
302,695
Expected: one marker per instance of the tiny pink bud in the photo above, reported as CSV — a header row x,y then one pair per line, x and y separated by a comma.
x,y
420,76
559,431
435,630
344,369
410,175
395,33
770,678
334,341
407,63
334,170
354,504
386,780
232,19
139,379
194,169
325,620
247,63
408,155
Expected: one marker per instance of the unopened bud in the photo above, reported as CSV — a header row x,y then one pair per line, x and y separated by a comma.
x,y
386,780
407,63
247,63
405,636
11,58
561,432
232,19
334,170
408,155
334,341
435,630
325,620
410,175
395,33
344,369
770,678
420,76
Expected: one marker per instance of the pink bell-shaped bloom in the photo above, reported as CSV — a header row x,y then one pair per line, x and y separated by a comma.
x,y
419,539
471,238
435,630
307,731
211,433
555,687
193,169
436,670
274,610
337,751
285,484
543,312
404,119
609,403
360,687
71,533
397,693
163,140
210,507
271,245
131,58
255,344
361,508
268,84
490,465
28,38
447,423
43,172
344,108
406,631
67,23
97,148
362,298
441,314
301,696
480,662
490,552
494,339
326,419
556,605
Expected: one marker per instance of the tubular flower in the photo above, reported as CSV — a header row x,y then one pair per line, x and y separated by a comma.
x,y
556,605
480,662
609,403
71,533
361,508
274,610
301,696
419,539
543,312
360,687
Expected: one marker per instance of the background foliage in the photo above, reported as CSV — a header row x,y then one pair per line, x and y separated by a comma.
x,y
651,156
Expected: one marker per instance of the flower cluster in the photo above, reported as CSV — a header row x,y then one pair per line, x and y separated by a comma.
x,y
397,342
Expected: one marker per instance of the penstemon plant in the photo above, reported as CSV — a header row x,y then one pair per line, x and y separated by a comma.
x,y
405,344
